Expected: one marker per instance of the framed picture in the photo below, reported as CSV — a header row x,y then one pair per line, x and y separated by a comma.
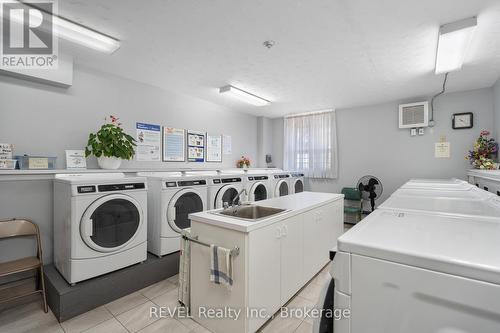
x,y
214,148
174,144
196,146
463,120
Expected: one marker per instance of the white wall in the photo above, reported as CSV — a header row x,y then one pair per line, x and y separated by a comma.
x,y
40,119
370,142
496,104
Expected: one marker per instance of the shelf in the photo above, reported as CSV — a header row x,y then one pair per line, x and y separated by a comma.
x,y
24,175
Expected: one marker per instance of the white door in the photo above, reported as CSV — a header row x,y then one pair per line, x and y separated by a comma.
x,y
313,237
292,246
111,222
226,194
258,192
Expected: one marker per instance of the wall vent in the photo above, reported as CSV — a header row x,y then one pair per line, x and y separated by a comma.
x,y
414,115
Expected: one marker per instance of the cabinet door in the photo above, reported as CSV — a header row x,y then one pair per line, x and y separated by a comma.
x,y
292,246
330,226
264,276
312,240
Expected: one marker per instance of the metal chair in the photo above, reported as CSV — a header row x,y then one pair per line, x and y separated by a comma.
x,y
353,204
15,228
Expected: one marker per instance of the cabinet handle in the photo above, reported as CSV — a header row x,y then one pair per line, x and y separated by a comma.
x,y
285,230
278,232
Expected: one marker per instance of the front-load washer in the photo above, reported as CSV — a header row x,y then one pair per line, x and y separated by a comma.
x,y
224,188
258,185
100,224
296,182
280,184
171,198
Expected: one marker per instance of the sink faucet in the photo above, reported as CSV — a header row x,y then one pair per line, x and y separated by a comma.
x,y
237,198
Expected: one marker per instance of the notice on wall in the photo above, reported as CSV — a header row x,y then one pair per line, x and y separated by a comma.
x,y
226,142
196,146
148,142
75,159
174,143
214,148
442,150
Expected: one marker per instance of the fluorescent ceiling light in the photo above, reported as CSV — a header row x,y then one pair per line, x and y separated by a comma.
x,y
243,95
73,32
454,39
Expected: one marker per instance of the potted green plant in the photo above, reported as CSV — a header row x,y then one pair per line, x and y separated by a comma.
x,y
110,145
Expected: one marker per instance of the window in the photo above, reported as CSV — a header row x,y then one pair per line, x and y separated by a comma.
x,y
311,144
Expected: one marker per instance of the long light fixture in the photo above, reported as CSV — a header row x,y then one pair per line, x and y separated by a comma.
x,y
73,32
243,95
454,40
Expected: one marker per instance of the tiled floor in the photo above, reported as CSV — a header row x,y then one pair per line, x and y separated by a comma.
x,y
131,314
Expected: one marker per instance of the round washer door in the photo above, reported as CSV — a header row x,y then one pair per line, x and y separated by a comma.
x,y
258,192
298,186
227,194
111,222
183,203
281,188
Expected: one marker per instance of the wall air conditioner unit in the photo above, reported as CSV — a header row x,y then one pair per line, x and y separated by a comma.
x,y
414,115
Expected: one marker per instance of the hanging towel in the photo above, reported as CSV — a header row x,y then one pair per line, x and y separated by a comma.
x,y
221,266
184,272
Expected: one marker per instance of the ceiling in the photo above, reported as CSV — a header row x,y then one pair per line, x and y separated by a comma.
x,y
328,53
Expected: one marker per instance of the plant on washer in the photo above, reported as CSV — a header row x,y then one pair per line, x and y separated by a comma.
x,y
110,145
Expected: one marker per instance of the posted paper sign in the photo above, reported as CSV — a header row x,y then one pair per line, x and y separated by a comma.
x,y
174,143
148,142
196,146
442,150
214,148
75,159
226,141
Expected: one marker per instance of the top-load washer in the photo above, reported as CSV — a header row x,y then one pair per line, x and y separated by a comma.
x,y
280,184
442,268
258,185
472,194
100,224
296,182
224,188
172,196
452,184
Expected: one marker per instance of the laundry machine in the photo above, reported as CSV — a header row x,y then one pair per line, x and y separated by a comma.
x,y
452,184
172,196
296,182
440,268
100,224
280,184
258,185
224,188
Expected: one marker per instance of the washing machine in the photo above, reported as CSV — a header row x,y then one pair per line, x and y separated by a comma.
x,y
280,184
258,185
224,187
172,196
100,224
296,182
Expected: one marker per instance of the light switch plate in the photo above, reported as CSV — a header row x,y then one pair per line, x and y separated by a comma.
x,y
413,132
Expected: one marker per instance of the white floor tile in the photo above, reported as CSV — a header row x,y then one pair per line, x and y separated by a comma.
x,y
168,299
109,326
158,289
28,318
126,303
304,327
282,325
169,325
138,317
86,320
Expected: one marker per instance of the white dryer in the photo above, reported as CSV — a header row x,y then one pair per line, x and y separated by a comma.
x,y
280,184
258,185
223,188
100,224
296,182
171,198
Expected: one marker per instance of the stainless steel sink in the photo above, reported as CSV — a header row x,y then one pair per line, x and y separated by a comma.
x,y
250,212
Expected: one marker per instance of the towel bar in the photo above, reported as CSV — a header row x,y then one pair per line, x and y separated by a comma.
x,y
234,252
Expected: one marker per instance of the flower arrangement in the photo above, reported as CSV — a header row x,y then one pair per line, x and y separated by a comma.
x,y
110,142
484,152
243,162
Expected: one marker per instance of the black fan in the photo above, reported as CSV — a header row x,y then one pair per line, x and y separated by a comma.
x,y
370,188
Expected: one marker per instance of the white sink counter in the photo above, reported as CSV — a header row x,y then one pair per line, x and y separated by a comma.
x,y
294,205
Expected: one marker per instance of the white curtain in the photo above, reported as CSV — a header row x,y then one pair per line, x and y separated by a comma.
x,y
310,144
